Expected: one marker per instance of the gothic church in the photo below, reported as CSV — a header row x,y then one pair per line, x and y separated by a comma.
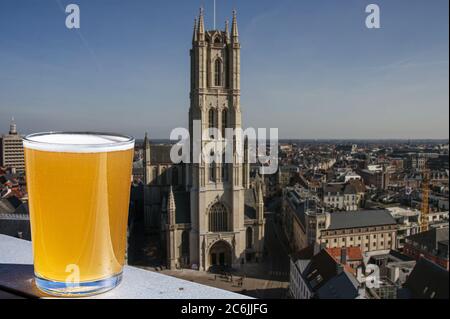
x,y
207,214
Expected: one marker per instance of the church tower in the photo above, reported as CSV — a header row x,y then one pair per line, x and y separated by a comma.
x,y
217,190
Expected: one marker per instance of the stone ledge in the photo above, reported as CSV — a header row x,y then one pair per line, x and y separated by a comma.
x,y
16,277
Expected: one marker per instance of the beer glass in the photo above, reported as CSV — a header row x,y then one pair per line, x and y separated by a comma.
x,y
79,191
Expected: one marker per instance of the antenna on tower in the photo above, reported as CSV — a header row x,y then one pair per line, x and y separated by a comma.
x,y
214,14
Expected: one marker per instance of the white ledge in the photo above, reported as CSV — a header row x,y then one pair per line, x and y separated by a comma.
x,y
16,275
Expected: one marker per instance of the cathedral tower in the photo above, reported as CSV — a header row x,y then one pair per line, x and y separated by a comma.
x,y
217,190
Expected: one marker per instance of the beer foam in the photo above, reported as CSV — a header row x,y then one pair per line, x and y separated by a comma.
x,y
78,143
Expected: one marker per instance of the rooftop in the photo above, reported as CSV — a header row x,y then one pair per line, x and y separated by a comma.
x,y
428,281
362,218
431,239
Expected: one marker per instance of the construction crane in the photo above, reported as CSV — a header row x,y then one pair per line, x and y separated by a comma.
x,y
425,201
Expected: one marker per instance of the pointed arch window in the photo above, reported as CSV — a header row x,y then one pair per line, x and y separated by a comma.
x,y
212,170
218,218
249,238
185,244
211,118
224,169
224,122
218,73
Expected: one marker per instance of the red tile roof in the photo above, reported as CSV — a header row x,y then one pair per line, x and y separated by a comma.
x,y
353,253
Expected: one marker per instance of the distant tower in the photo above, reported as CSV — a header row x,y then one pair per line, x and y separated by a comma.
x,y
12,127
146,164
172,242
11,149
259,236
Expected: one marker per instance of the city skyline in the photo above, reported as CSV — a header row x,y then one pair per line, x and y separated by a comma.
x,y
347,198
125,70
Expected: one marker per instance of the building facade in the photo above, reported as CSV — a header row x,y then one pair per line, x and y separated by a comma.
x,y
432,245
343,196
11,149
370,230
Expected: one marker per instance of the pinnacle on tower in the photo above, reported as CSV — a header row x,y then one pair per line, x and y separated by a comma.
x,y
146,140
171,208
260,191
234,28
201,26
194,37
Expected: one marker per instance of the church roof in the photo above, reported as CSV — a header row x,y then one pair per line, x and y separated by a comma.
x,y
160,154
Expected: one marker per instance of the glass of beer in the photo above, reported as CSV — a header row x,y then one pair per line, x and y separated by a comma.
x,y
79,191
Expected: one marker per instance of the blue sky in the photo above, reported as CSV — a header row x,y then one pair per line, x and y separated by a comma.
x,y
310,68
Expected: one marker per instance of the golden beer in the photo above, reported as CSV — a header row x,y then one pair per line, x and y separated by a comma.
x,y
79,192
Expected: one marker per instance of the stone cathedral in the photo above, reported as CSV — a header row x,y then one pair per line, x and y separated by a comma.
x,y
207,214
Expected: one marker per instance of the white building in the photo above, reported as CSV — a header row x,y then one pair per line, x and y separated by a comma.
x,y
408,221
11,149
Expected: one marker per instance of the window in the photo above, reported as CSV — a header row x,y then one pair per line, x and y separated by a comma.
x,y
218,218
224,122
212,172
249,235
224,169
218,73
212,169
185,243
211,118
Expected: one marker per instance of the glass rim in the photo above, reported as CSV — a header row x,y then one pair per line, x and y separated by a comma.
x,y
74,147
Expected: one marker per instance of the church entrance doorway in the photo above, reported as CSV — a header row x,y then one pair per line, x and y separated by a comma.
x,y
220,254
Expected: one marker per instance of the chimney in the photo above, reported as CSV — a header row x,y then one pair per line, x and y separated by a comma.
x,y
343,255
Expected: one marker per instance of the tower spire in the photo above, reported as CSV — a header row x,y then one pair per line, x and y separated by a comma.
x,y
260,190
201,26
194,37
146,141
171,207
146,161
234,28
